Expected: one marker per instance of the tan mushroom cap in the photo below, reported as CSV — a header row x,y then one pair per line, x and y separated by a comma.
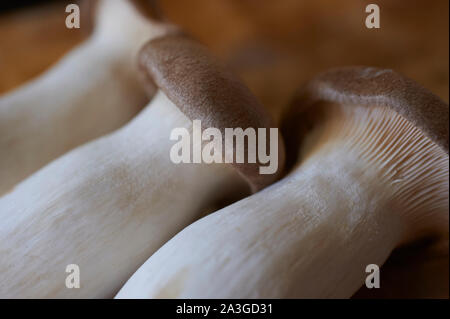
x,y
374,87
204,89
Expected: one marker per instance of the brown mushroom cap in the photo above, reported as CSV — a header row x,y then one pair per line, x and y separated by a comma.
x,y
371,87
204,89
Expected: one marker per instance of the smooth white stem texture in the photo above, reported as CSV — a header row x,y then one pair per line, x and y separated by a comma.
x,y
312,234
92,91
309,236
106,207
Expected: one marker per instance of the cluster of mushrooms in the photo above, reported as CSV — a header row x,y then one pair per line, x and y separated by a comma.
x,y
86,178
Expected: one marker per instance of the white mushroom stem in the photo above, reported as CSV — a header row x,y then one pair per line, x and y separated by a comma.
x,y
90,92
106,207
368,182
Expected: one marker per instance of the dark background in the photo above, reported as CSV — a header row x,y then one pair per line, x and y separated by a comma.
x,y
6,6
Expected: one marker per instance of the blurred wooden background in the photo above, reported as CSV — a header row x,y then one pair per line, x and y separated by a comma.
x,y
274,45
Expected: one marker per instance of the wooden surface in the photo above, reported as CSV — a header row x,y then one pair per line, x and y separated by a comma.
x,y
274,45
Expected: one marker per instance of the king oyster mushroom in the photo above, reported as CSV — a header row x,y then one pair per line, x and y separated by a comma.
x,y
371,175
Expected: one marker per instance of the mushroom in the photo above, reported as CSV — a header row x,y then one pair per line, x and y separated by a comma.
x,y
108,205
369,151
92,91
